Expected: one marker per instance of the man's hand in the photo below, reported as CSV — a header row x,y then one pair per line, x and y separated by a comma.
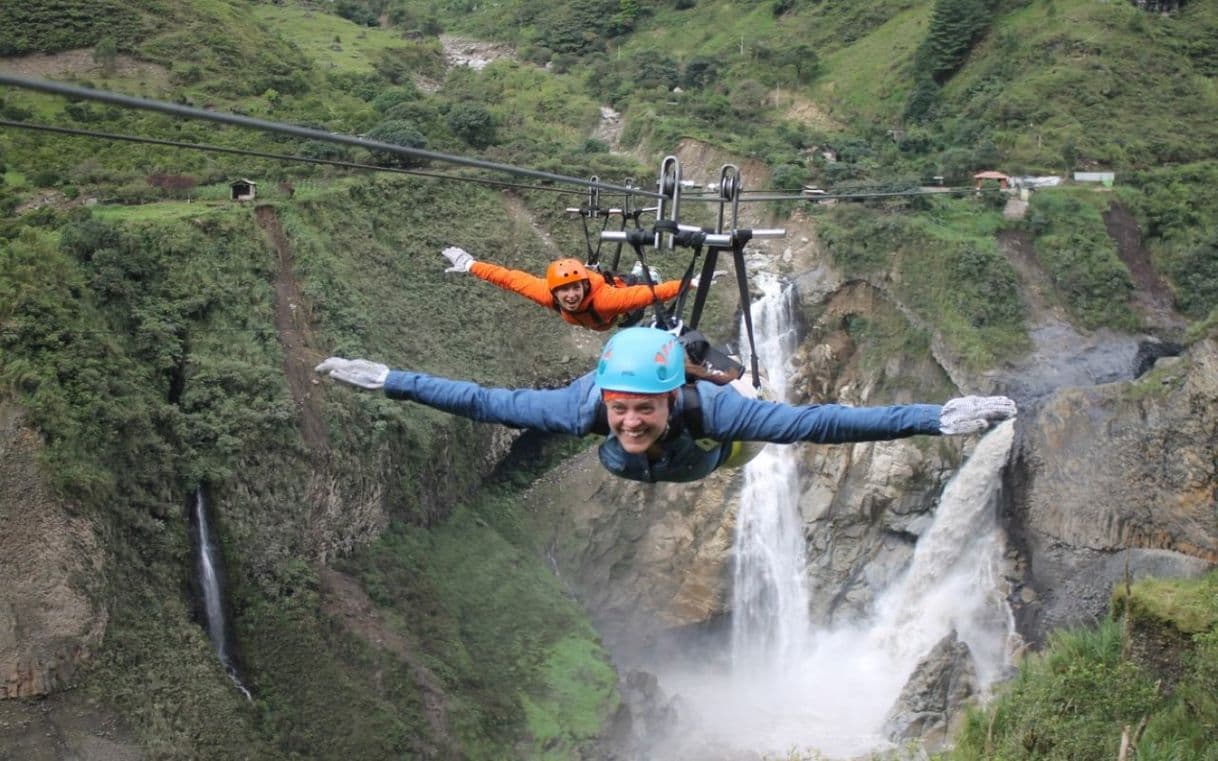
x,y
355,372
697,279
971,414
458,258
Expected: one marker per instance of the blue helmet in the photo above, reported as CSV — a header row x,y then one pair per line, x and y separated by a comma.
x,y
641,361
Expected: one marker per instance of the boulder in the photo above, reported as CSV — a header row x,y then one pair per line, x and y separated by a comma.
x,y
933,695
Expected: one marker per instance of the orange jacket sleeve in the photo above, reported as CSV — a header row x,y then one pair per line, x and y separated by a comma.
x,y
608,300
530,286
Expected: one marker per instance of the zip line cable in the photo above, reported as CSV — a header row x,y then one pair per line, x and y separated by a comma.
x,y
745,197
190,112
278,156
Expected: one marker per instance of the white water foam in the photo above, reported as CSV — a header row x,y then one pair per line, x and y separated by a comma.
x,y
787,687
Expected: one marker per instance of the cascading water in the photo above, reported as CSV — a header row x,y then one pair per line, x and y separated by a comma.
x,y
770,589
787,686
211,590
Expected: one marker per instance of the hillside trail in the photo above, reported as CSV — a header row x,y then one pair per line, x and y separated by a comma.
x,y
293,325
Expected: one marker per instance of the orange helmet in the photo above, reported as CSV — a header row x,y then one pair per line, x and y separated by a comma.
x,y
564,272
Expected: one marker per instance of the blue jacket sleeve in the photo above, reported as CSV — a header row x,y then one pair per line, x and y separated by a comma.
x,y
728,416
570,410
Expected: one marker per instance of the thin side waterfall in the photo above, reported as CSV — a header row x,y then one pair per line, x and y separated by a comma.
x,y
789,687
211,589
770,589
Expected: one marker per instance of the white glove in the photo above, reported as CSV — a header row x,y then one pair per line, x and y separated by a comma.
x,y
458,258
971,414
356,372
637,271
696,279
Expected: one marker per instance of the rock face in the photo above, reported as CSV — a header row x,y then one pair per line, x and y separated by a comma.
x,y
643,558
50,564
643,720
934,694
863,505
1115,477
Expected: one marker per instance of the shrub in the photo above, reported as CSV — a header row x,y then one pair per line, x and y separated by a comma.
x,y
400,133
1196,278
473,123
1073,244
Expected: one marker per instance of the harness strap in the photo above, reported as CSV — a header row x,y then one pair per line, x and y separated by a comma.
x,y
663,319
742,281
708,272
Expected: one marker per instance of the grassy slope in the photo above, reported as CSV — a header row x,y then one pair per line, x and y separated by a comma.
x,y
359,252
1075,699
366,255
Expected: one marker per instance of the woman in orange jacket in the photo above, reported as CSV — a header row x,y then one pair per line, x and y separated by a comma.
x,y
579,295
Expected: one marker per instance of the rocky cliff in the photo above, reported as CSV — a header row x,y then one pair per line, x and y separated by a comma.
x,y
1114,479
50,571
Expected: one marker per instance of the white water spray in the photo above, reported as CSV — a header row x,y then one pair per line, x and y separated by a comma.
x,y
791,688
213,599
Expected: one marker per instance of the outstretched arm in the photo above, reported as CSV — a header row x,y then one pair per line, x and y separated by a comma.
x,y
731,417
570,410
610,300
530,286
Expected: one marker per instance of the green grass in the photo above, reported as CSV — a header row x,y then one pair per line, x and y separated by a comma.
x,y
165,211
1189,605
522,664
869,78
14,180
944,264
331,42
1069,703
1074,699
579,695
1109,79
1072,243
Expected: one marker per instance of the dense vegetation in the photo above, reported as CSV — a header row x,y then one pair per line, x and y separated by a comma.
x,y
1089,687
137,307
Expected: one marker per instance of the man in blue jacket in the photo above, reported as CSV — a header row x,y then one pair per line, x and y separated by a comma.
x,y
658,429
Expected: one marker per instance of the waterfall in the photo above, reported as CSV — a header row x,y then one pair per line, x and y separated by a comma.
x,y
211,589
789,687
770,590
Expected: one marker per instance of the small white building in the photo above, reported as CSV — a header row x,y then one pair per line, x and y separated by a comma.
x,y
1104,178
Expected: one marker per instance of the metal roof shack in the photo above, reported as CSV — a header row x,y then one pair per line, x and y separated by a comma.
x,y
242,189
980,177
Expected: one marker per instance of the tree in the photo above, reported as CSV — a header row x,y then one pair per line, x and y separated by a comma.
x,y
657,70
922,99
397,132
747,98
105,54
955,26
628,12
473,123
701,71
1197,279
789,177
802,58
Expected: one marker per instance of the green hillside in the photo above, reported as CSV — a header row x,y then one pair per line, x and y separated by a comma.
x,y
138,305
